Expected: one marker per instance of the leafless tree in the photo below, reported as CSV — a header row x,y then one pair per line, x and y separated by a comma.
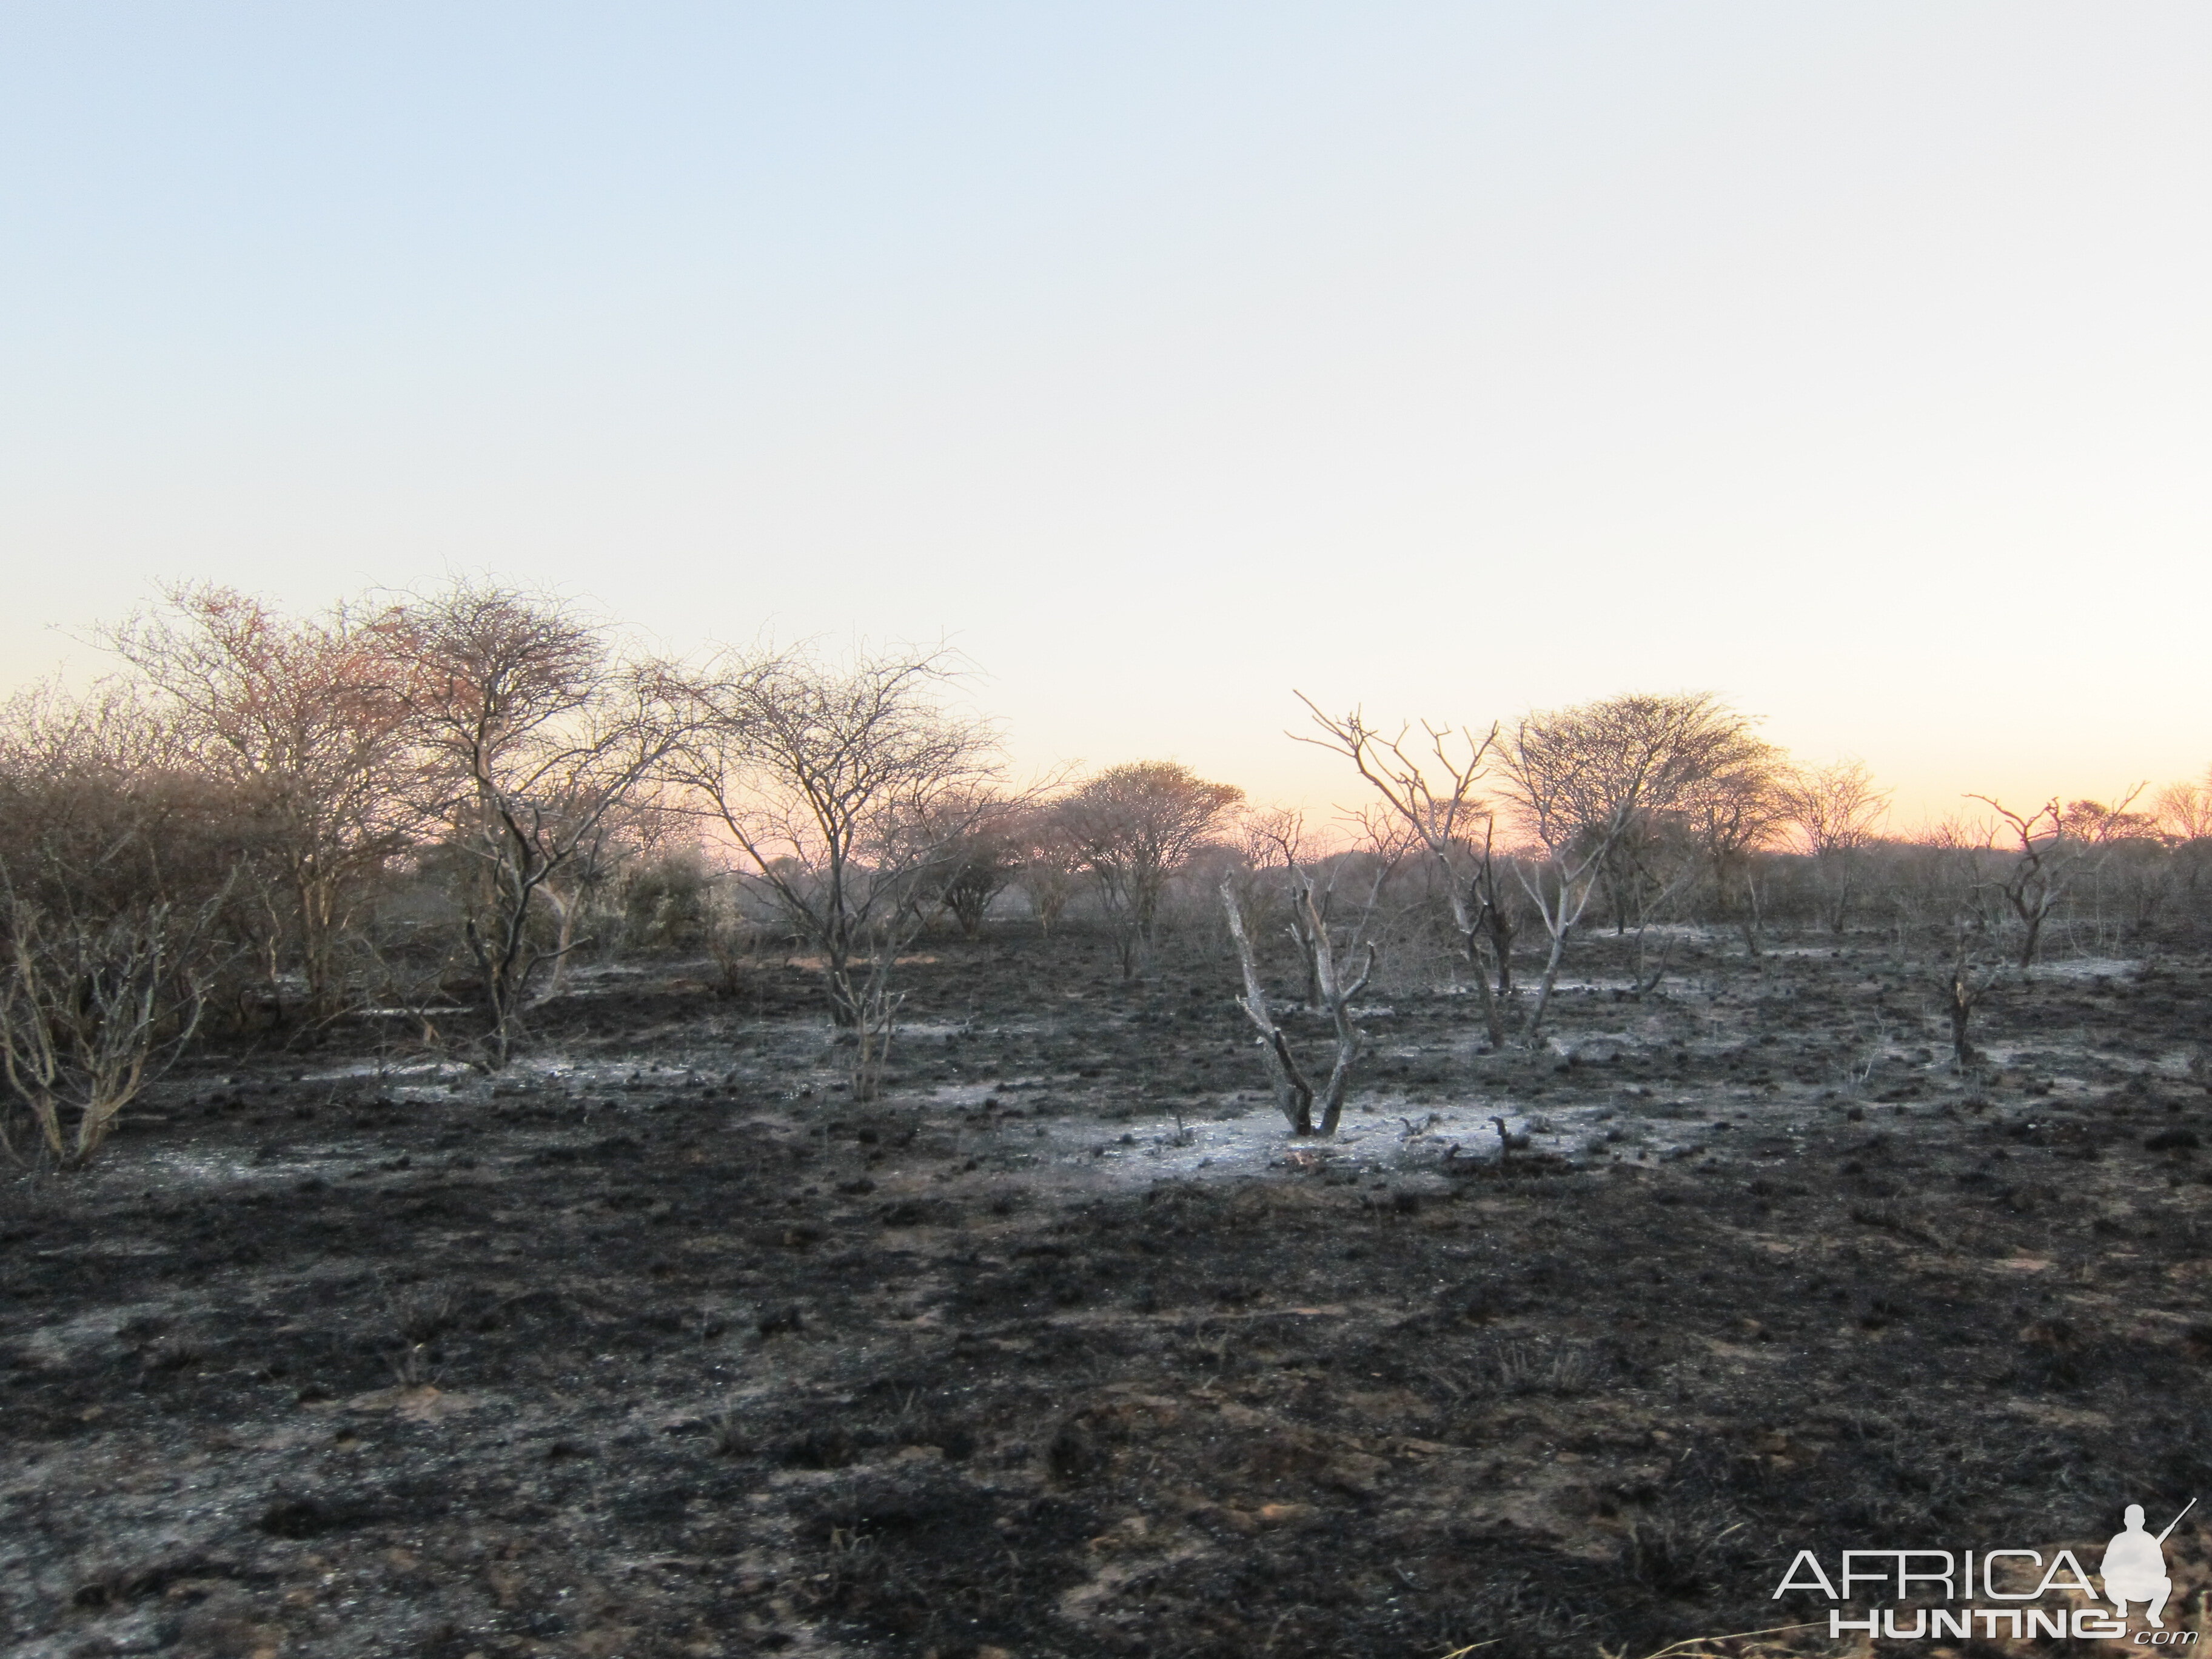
x,y
1429,785
1050,872
1732,817
1330,954
1836,808
1584,773
1560,885
1968,976
302,721
102,808
92,1009
843,789
1584,777
2183,811
1130,828
2036,876
2095,824
981,851
533,735
116,866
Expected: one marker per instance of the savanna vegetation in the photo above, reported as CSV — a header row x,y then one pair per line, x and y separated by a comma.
x,y
522,1146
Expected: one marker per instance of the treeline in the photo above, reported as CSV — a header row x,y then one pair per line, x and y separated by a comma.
x,y
267,822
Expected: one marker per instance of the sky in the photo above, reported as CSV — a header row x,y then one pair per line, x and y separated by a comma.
x,y
1850,360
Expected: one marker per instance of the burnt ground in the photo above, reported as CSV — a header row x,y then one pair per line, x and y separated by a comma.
x,y
658,1346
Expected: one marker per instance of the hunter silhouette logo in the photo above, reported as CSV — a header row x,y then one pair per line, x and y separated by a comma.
x,y
2133,1570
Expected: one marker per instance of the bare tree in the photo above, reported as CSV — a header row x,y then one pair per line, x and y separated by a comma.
x,y
1560,885
1587,772
844,789
2183,811
1050,871
2094,823
1731,818
303,721
2036,876
1329,954
1584,777
1430,788
534,733
101,806
92,1009
116,865
1132,827
1967,977
2050,847
980,852
1836,808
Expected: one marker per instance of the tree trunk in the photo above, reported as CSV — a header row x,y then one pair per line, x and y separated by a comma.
x,y
1544,988
1294,1094
1962,1009
1471,923
1501,931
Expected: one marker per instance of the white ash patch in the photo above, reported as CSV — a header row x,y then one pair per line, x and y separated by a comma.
x,y
2086,968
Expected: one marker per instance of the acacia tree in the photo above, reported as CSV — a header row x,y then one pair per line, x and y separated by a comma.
x,y
92,1009
2096,824
304,723
534,734
1050,871
843,788
2039,871
1430,792
1132,827
1584,777
1836,810
1732,816
979,837
116,863
2183,811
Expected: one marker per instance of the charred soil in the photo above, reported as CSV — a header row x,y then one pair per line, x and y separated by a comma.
x,y
656,1344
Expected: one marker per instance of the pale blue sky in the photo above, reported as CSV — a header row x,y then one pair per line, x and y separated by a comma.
x,y
1850,359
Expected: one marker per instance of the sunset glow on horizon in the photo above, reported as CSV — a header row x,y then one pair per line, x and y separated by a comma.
x,y
1849,362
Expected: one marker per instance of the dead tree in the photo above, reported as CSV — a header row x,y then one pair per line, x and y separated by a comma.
x,y
1733,817
1967,977
1328,963
91,1010
303,721
1836,808
1585,778
1132,828
2183,812
1050,871
119,868
980,854
844,789
1431,791
533,735
1560,886
2037,879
